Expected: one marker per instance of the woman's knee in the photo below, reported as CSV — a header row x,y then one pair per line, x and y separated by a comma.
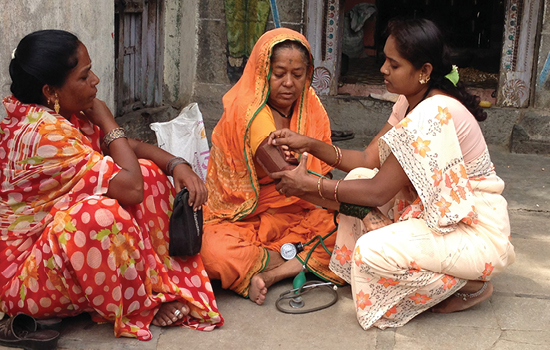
x,y
370,247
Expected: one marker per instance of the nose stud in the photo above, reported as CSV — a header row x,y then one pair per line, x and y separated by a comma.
x,y
386,71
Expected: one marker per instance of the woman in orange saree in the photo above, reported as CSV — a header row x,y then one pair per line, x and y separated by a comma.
x,y
246,219
84,223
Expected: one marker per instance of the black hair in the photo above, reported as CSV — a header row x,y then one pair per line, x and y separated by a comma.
x,y
420,41
291,44
42,58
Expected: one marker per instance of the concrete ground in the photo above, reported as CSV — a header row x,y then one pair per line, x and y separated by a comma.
x,y
517,316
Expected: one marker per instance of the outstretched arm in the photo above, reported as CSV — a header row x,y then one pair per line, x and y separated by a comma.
x,y
373,192
350,159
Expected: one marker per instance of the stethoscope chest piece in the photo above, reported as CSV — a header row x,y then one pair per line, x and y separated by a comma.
x,y
295,302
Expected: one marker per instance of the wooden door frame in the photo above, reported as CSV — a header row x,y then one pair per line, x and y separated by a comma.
x,y
151,54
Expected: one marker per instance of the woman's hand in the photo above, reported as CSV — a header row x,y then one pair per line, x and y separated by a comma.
x,y
292,140
184,176
100,115
295,182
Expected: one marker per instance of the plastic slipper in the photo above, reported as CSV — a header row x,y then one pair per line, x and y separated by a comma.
x,y
336,135
20,332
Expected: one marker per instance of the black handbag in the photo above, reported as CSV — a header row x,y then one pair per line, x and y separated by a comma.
x,y
185,228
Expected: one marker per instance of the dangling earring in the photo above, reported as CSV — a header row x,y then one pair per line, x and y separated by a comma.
x,y
422,80
56,104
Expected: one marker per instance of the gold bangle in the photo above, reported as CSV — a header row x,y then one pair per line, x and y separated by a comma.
x,y
113,135
336,190
339,157
320,187
338,152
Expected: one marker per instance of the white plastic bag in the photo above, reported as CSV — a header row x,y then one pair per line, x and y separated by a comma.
x,y
184,136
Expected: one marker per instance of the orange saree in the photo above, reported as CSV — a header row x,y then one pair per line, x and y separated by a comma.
x,y
245,216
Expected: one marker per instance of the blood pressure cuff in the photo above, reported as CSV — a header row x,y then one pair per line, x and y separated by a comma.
x,y
271,158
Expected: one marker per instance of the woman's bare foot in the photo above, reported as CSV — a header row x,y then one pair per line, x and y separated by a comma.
x,y
169,313
464,301
257,290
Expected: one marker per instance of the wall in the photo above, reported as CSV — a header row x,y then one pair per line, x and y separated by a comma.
x,y
211,75
91,21
542,77
180,50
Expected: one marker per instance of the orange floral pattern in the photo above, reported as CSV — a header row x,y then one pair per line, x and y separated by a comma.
x,y
403,269
387,282
403,123
421,146
448,282
391,312
443,116
343,254
413,267
362,300
488,270
420,298
428,141
69,249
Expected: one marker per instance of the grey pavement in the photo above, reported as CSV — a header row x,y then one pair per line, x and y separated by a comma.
x,y
517,316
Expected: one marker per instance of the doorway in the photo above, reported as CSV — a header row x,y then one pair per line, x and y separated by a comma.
x,y
138,54
493,41
473,30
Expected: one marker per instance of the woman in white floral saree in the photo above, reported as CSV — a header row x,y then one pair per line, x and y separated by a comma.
x,y
449,229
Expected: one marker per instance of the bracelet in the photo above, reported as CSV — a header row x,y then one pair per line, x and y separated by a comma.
x,y
336,190
113,135
354,210
172,164
320,187
338,152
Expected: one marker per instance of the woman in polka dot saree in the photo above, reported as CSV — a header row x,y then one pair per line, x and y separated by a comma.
x,y
66,246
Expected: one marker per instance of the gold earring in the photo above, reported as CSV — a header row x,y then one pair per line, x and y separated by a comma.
x,y
56,104
422,80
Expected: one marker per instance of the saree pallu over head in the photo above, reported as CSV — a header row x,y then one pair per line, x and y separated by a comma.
x,y
47,165
426,145
232,182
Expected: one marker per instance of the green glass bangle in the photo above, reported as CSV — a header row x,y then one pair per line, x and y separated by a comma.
x,y
357,211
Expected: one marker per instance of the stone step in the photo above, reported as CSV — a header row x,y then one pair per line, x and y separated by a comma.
x,y
532,134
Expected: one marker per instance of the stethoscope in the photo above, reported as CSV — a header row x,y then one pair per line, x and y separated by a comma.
x,y
297,303
299,285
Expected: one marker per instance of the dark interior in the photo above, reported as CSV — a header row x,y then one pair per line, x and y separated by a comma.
x,y
473,30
